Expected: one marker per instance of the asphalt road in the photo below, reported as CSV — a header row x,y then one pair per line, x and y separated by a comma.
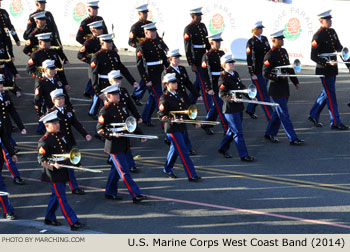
x,y
289,189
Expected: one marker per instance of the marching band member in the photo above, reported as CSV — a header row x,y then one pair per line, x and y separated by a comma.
x,y
41,6
43,53
326,40
136,36
115,78
233,111
53,142
104,61
279,90
171,100
67,120
151,60
212,69
89,48
196,44
6,28
7,108
84,32
116,146
4,200
257,47
49,82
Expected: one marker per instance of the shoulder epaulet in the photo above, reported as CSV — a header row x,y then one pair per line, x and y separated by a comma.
x,y
319,31
210,51
44,137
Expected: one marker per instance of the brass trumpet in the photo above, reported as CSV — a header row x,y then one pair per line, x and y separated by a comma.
x,y
192,113
74,157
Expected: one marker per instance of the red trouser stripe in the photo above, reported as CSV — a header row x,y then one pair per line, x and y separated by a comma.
x,y
3,205
330,100
220,114
262,99
204,93
62,206
155,93
70,185
122,174
7,163
178,149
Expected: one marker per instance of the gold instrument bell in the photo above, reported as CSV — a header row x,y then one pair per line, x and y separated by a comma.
x,y
8,88
192,113
74,156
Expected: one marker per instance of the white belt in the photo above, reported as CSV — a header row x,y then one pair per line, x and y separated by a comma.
x,y
199,46
101,76
154,63
215,73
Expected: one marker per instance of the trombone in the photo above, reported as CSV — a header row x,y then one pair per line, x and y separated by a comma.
x,y
74,157
5,60
192,113
251,91
129,125
297,68
344,55
40,69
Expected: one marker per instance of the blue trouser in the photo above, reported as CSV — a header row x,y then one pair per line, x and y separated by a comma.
x,y
328,95
186,139
140,91
281,115
120,169
11,166
58,198
130,159
262,95
178,147
199,85
4,200
73,183
215,111
88,89
96,103
234,133
155,92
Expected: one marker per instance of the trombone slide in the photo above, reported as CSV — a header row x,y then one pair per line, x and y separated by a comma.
x,y
134,136
300,75
258,102
81,168
192,122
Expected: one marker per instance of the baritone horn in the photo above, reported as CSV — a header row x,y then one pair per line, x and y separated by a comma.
x,y
297,68
344,54
192,113
251,91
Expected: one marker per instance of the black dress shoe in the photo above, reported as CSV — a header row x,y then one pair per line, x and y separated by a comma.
x,y
349,104
78,191
315,122
139,198
136,101
252,115
208,130
109,161
18,181
166,141
148,124
194,179
170,175
133,169
76,226
192,152
247,159
297,142
224,153
271,139
52,222
16,150
113,197
10,216
340,127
